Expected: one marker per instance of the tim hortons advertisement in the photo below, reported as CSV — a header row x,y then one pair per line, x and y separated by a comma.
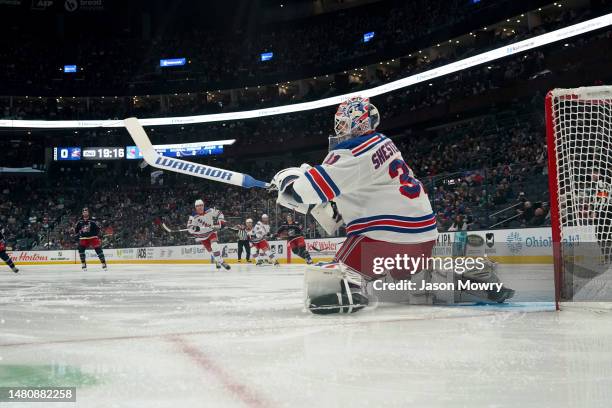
x,y
34,257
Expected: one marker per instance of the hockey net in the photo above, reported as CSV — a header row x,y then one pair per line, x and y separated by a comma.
x,y
579,140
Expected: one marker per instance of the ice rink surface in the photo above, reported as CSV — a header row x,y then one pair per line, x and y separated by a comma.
x,y
190,336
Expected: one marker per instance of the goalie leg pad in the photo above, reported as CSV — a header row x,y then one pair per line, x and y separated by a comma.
x,y
487,274
338,303
422,296
329,288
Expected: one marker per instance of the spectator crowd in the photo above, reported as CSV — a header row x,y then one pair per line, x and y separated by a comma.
x,y
487,170
471,171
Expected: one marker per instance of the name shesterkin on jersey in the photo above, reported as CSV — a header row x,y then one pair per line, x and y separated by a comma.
x,y
384,153
193,168
374,190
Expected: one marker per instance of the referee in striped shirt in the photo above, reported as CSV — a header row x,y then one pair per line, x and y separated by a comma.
x,y
243,243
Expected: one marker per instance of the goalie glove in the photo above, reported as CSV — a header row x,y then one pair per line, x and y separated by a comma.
x,y
327,216
283,182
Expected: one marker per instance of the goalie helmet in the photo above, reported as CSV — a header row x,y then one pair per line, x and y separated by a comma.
x,y
354,117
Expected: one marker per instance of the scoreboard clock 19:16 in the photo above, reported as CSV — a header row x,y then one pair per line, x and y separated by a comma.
x,y
103,153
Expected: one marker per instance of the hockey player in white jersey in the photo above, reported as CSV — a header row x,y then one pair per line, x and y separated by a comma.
x,y
203,224
365,182
257,236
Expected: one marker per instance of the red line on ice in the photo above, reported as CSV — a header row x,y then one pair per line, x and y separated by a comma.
x,y
248,396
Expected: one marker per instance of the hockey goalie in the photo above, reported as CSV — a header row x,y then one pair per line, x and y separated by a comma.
x,y
365,183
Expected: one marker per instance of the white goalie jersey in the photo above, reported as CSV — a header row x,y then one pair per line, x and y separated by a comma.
x,y
202,226
259,232
374,189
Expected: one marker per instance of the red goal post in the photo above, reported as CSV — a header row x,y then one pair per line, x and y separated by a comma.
x,y
579,143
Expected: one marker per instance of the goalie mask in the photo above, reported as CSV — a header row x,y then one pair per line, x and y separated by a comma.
x,y
355,117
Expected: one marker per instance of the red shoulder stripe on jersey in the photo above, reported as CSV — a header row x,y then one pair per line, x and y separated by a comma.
x,y
320,182
366,144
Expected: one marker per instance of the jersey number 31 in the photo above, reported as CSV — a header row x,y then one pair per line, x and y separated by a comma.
x,y
411,187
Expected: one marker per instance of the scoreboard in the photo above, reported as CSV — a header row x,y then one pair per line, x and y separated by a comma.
x,y
132,152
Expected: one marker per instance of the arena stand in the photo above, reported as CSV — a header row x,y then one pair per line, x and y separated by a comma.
x,y
251,91
131,208
328,43
472,138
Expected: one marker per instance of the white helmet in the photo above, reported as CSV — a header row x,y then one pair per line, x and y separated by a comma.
x,y
264,216
199,202
354,117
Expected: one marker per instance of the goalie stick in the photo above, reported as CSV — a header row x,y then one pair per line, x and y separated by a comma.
x,y
154,159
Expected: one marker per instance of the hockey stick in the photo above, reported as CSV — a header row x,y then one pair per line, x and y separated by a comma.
x,y
164,226
143,142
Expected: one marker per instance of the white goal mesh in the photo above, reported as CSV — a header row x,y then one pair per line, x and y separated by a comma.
x,y
579,135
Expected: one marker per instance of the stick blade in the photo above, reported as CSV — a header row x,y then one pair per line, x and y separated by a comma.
x,y
176,165
141,139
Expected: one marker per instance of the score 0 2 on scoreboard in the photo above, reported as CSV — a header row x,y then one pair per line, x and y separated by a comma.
x,y
88,153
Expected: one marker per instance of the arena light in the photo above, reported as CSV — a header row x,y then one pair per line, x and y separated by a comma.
x,y
172,62
367,37
266,56
498,53
70,69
